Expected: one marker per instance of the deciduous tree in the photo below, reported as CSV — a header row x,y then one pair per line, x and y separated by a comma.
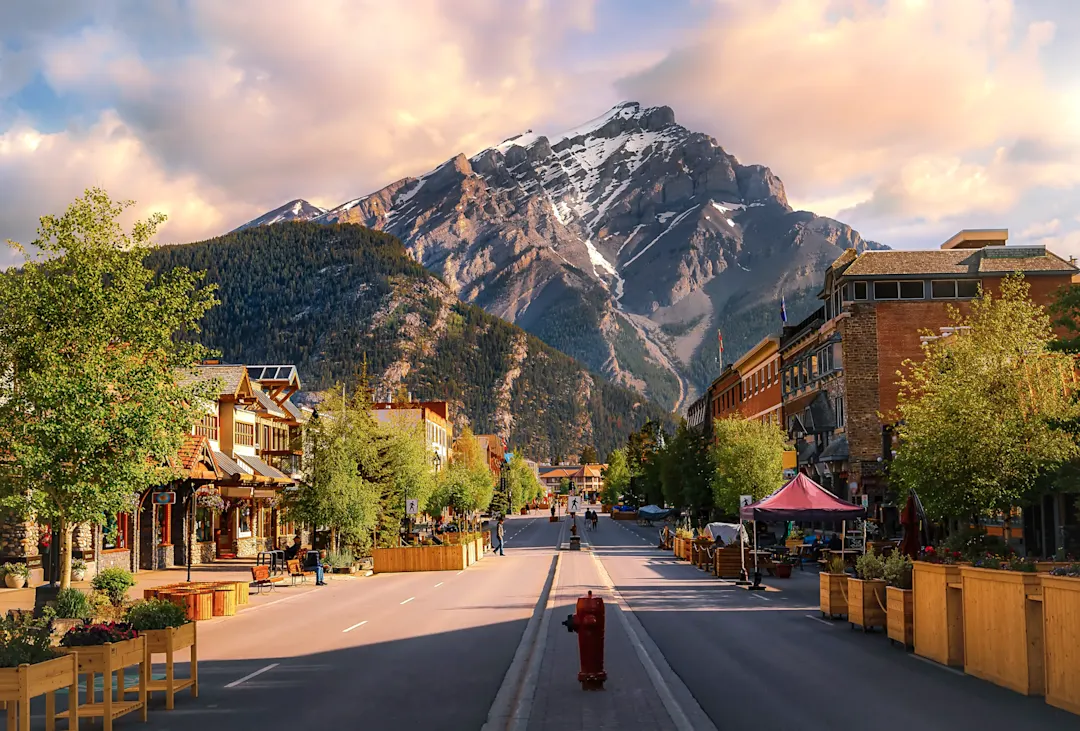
x,y
980,412
616,477
93,396
748,459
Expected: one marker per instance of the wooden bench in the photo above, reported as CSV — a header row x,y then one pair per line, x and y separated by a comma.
x,y
297,572
260,577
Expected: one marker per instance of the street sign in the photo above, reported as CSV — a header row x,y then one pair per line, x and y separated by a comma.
x,y
164,498
866,501
573,504
412,507
745,500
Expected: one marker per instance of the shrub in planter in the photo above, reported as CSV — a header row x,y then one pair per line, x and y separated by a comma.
x,y
340,559
899,599
78,569
866,594
73,604
154,614
114,583
25,640
16,575
86,635
833,588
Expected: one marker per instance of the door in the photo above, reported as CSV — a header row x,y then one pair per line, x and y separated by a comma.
x,y
225,535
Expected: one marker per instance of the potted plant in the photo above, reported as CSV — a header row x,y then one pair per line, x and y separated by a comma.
x,y
78,569
866,592
784,566
1061,636
30,666
343,562
106,648
833,588
167,630
16,575
899,599
72,607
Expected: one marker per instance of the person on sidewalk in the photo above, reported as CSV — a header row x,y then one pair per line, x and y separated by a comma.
x,y
501,532
314,562
553,510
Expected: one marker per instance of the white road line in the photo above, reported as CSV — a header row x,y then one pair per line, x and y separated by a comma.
x,y
819,619
758,596
937,665
459,573
246,678
408,600
438,585
358,624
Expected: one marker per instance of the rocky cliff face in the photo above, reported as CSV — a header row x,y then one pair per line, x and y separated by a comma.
x,y
626,242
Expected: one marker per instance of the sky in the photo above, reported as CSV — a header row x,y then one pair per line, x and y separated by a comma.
x,y
908,119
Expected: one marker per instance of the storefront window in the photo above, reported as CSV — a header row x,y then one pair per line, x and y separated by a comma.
x,y
116,532
204,525
164,527
243,520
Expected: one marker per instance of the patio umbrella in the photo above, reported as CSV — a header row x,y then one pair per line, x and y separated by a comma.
x,y
909,518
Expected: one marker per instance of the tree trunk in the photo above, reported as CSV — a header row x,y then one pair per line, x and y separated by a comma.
x,y
65,529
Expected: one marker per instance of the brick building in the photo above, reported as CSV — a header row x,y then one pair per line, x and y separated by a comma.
x,y
725,395
879,303
759,372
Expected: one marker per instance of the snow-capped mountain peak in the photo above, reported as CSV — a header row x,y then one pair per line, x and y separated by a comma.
x,y
295,210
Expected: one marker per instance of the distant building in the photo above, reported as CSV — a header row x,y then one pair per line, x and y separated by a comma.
x,y
725,395
495,447
585,478
759,373
434,415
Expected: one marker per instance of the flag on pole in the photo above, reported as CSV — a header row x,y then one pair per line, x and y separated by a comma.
x,y
720,343
783,309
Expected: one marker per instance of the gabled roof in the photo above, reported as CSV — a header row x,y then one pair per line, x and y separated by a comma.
x,y
268,406
263,469
196,458
233,379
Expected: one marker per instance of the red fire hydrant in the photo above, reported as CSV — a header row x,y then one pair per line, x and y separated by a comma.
x,y
588,622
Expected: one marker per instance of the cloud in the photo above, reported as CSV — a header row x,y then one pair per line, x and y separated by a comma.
x,y
265,103
937,109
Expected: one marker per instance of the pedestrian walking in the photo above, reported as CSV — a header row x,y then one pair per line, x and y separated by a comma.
x,y
595,519
502,537
553,510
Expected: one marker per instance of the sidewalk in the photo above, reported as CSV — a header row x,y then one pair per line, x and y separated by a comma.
x,y
221,570
628,702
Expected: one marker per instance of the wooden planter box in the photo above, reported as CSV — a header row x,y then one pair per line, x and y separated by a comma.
x,y
19,685
1061,636
702,559
728,562
866,603
1003,628
833,593
420,558
605,508
793,543
624,515
480,548
224,601
198,603
900,606
168,642
938,613
105,660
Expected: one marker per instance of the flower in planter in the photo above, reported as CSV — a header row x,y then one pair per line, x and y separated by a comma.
x,y
211,500
25,640
87,635
1072,570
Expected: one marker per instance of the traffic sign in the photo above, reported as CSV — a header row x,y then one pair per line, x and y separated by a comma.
x,y
412,507
164,498
745,500
573,504
866,501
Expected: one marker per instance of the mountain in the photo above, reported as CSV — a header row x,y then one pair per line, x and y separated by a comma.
x,y
330,298
626,242
297,210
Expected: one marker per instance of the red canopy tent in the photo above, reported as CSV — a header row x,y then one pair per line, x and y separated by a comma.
x,y
801,499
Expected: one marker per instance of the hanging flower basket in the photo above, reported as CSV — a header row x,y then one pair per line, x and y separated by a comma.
x,y
211,500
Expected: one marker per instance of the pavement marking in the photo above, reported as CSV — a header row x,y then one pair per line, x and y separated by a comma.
x,y
438,585
819,619
358,624
675,710
248,677
459,573
937,665
408,600
759,596
513,702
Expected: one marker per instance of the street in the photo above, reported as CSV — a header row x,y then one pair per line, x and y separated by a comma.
x,y
437,650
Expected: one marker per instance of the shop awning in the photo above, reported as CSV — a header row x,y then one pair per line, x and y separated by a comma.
x,y
263,469
837,451
235,492
801,499
229,467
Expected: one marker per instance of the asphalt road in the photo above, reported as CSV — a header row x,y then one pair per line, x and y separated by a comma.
x,y
417,650
431,650
767,660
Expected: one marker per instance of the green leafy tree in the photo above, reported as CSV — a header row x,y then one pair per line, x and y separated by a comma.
x,y
94,396
346,474
589,455
522,483
980,412
616,477
748,460
409,461
642,455
696,470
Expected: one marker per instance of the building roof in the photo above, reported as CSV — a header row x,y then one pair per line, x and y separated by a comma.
x,y
262,468
274,373
190,454
958,262
228,466
233,378
268,405
766,348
